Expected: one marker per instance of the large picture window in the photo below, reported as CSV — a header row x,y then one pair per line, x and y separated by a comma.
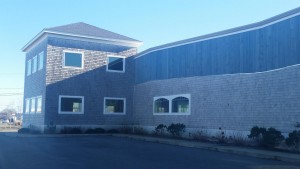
x,y
71,105
115,64
114,105
172,105
73,59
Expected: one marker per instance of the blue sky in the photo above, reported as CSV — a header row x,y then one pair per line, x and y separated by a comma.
x,y
154,22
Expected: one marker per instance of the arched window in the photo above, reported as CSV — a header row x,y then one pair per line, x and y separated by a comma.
x,y
180,105
161,105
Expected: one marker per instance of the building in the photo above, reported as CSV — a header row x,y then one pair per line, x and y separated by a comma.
x,y
81,75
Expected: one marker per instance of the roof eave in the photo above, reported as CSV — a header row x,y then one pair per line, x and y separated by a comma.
x,y
84,38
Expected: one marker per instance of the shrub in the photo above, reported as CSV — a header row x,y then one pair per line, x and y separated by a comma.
x,y
201,136
71,130
176,129
112,131
266,137
160,130
239,139
24,131
294,139
139,131
221,138
95,131
125,129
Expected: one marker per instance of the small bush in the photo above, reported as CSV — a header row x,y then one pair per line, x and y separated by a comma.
x,y
294,139
266,137
126,129
71,130
239,139
24,131
201,136
176,129
221,138
95,131
160,130
112,131
139,131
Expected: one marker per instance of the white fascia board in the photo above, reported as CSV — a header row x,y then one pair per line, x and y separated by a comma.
x,y
44,34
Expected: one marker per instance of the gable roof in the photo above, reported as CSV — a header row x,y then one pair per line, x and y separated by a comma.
x,y
85,32
258,25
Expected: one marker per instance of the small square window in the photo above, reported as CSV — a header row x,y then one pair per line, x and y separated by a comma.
x,y
29,67
115,64
34,66
114,105
73,59
71,104
41,61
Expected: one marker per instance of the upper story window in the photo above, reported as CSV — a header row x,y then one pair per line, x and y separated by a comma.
x,y
34,64
115,64
29,67
41,61
172,105
73,59
114,105
71,105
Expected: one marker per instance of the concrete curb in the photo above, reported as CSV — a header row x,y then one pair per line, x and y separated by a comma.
x,y
265,154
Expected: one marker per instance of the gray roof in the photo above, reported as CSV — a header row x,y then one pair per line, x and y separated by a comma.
x,y
84,29
275,19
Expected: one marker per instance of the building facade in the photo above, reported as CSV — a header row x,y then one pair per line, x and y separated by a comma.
x,y
80,75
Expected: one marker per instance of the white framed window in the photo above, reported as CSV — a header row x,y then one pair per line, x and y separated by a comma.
x,y
114,106
115,64
39,104
27,106
34,64
172,105
29,67
32,105
41,61
71,104
72,59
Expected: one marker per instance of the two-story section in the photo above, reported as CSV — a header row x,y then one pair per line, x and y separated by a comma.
x,y
79,75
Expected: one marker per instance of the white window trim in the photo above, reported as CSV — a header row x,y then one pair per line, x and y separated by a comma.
x,y
115,56
170,98
32,112
114,98
68,112
27,107
34,64
29,69
40,66
73,67
36,101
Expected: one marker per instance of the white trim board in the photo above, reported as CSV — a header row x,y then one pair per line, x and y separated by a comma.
x,y
68,96
114,113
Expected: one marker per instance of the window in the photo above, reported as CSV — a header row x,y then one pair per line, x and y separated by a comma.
x,y
161,105
41,61
180,105
115,64
32,107
34,66
28,67
39,104
172,105
114,105
27,106
71,105
73,59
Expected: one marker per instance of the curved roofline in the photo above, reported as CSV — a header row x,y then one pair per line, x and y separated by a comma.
x,y
232,31
83,37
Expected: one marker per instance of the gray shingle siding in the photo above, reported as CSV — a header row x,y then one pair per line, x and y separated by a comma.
x,y
232,102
